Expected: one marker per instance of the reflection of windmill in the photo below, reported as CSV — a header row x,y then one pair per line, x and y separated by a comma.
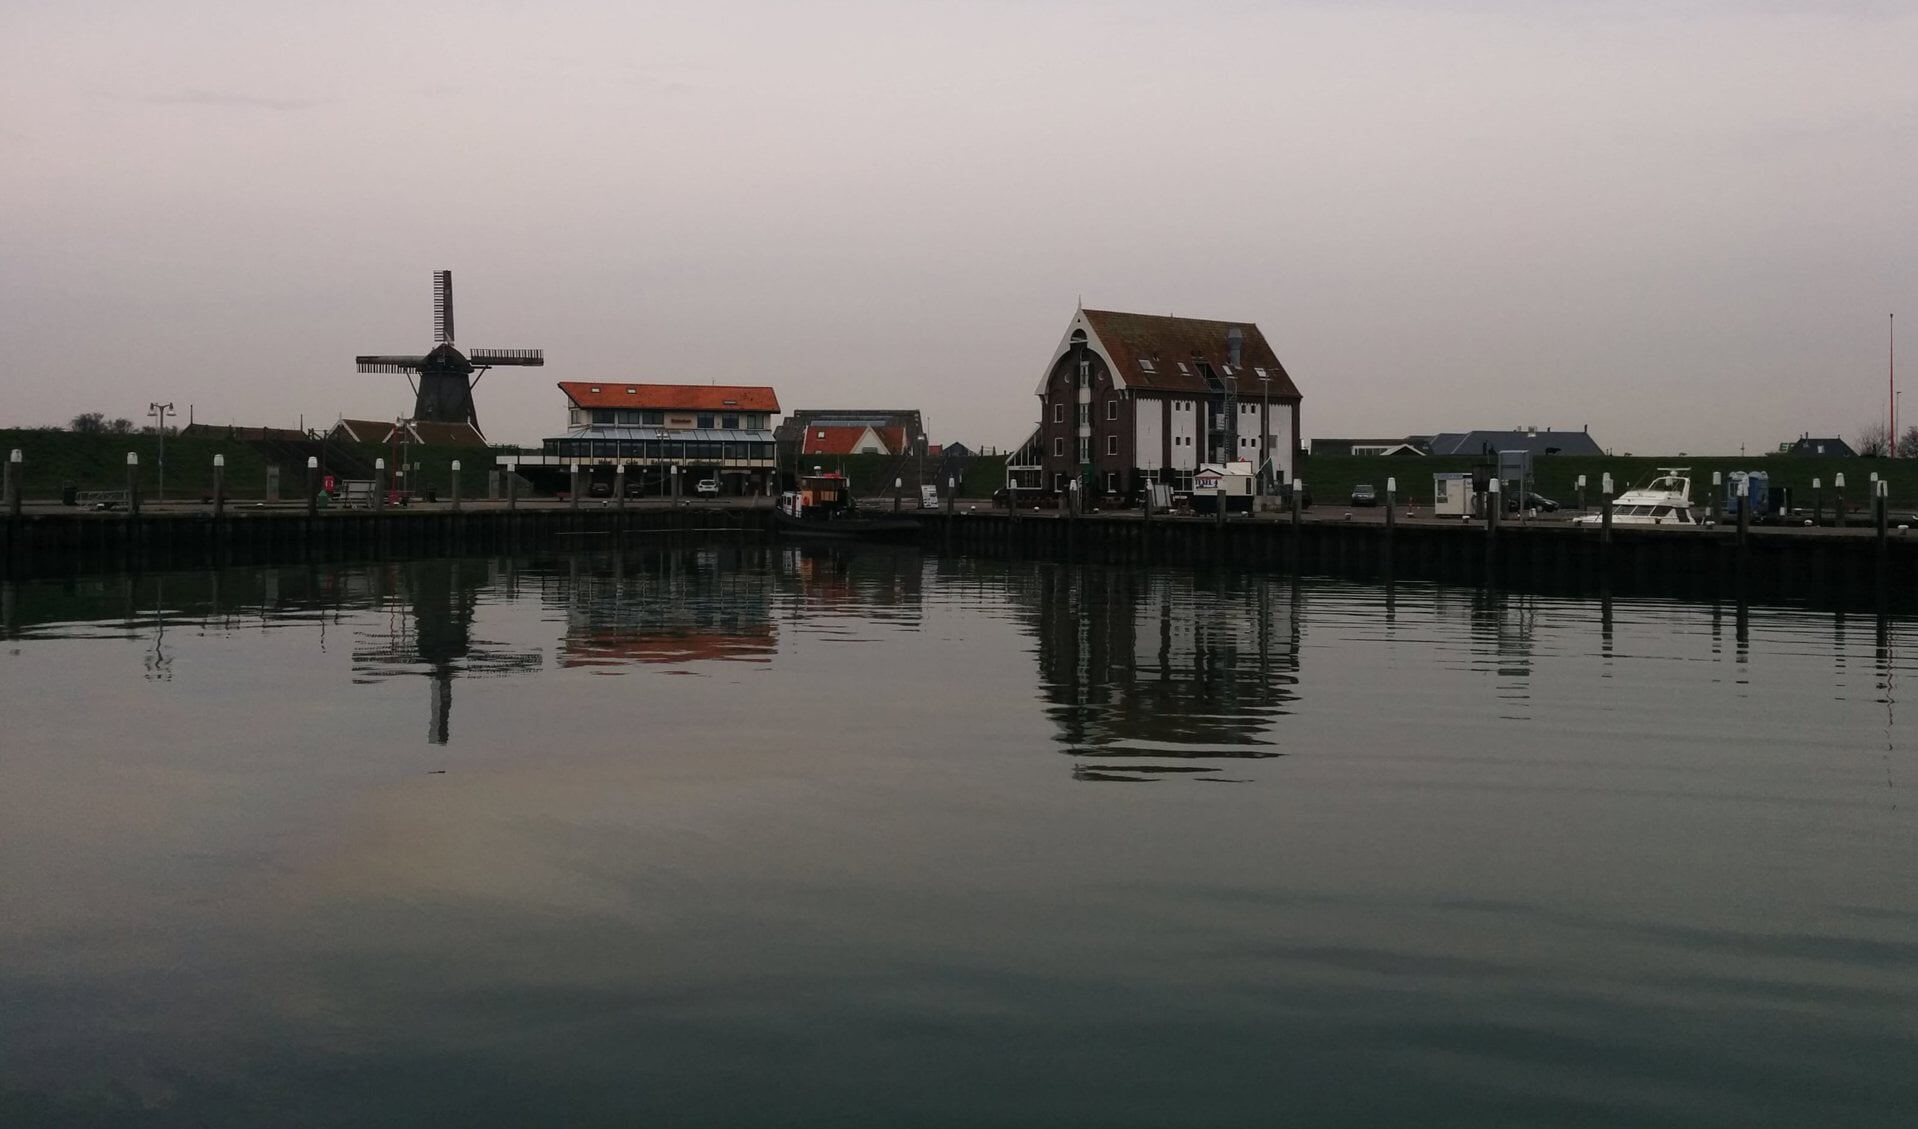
x,y
444,598
446,377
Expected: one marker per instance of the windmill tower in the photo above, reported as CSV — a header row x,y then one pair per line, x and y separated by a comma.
x,y
444,379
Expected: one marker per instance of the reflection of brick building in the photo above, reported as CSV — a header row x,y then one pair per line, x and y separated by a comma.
x,y
1129,399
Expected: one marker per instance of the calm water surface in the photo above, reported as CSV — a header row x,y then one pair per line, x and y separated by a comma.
x,y
760,837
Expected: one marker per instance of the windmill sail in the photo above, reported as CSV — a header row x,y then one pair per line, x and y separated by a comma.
x,y
443,307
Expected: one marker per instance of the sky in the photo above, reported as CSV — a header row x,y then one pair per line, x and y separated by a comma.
x,y
1684,226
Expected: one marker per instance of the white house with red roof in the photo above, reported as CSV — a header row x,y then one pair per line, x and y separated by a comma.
x,y
700,432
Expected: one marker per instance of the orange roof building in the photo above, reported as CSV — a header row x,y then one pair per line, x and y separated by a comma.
x,y
659,439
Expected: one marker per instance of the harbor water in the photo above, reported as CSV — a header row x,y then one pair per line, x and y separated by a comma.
x,y
737,835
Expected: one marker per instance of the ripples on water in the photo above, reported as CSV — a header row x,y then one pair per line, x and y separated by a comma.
x,y
744,836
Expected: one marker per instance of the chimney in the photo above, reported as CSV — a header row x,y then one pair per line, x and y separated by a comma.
x,y
1234,346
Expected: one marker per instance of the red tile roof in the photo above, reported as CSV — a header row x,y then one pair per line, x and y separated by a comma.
x,y
670,397
1166,341
842,440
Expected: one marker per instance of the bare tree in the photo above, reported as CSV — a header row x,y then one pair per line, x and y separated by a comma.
x,y
89,423
1908,443
120,427
1873,442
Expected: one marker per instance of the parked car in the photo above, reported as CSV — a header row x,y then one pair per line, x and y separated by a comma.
x,y
707,486
599,490
1364,495
1533,501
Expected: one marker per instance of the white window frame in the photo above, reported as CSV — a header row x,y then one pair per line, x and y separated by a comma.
x,y
1058,446
1112,444
1058,413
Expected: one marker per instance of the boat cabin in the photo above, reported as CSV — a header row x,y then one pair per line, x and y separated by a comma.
x,y
817,496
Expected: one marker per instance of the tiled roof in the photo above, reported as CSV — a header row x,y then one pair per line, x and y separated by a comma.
x,y
671,397
845,440
1168,341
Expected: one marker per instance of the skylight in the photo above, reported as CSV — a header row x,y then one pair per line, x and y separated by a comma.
x,y
1145,363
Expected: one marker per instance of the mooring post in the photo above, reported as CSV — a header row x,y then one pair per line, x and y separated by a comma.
x,y
572,492
1391,504
1494,506
952,487
219,485
512,486
379,484
1817,502
1718,488
1838,506
1605,510
1744,511
312,485
1882,506
15,467
896,484
456,485
619,485
1581,493
1298,488
133,484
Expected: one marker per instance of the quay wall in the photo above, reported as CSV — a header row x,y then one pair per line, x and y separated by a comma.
x,y
1823,566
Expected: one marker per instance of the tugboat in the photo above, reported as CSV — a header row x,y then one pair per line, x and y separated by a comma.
x,y
823,506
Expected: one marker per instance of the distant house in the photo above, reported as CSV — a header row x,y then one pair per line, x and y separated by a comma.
x,y
1128,400
1545,442
955,451
852,440
1339,447
1807,447
899,431
424,433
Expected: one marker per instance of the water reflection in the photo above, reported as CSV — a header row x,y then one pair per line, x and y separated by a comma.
x,y
428,609
1156,674
672,606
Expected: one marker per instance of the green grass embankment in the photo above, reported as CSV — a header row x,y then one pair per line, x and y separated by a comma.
x,y
99,462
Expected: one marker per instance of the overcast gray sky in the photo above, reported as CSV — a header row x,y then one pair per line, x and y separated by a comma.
x,y
1682,224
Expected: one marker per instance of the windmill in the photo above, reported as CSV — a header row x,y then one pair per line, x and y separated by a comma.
x,y
446,377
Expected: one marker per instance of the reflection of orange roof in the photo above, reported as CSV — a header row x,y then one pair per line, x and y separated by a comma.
x,y
614,648
670,397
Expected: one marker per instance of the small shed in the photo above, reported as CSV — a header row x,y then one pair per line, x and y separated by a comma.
x,y
1231,483
1453,496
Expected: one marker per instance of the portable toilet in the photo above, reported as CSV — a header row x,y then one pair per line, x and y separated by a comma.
x,y
1758,491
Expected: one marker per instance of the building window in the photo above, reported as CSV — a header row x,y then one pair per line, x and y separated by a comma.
x,y
1112,409
604,416
706,421
1085,374
1112,482
731,423
652,419
1085,415
1058,447
1085,448
1058,413
628,419
1112,444
1145,364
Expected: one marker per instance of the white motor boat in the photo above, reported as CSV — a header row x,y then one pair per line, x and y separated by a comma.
x,y
1665,500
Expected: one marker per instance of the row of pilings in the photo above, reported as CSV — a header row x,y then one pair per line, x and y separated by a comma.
x,y
1824,566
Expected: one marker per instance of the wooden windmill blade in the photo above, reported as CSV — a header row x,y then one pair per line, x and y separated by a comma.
x,y
389,363
443,307
485,358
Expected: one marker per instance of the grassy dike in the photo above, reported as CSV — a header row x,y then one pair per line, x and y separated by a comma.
x,y
99,462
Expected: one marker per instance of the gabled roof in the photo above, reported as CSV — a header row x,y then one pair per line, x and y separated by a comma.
x,y
1146,352
671,397
430,433
848,440
1537,442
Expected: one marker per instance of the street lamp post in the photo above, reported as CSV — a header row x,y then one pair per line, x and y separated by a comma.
x,y
1265,427
159,412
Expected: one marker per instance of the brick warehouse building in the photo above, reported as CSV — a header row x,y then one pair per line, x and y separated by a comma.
x,y
1132,399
